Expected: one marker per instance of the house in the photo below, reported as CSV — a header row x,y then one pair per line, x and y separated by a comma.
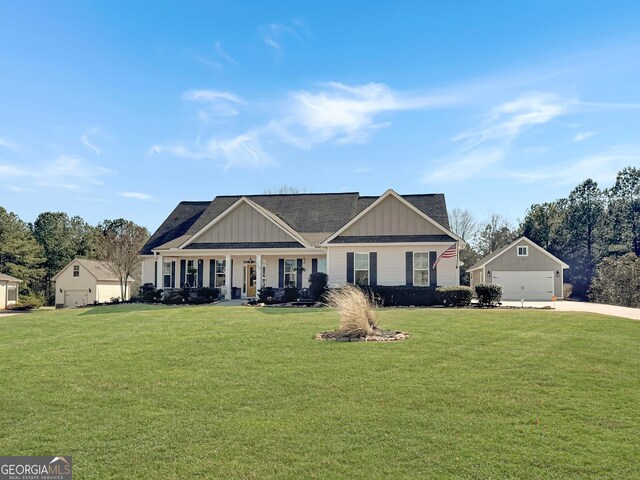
x,y
243,243
524,269
8,290
85,282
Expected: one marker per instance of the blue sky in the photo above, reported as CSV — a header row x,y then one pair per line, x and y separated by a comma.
x,y
113,109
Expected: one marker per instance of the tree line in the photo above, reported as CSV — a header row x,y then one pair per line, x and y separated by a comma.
x,y
35,252
588,226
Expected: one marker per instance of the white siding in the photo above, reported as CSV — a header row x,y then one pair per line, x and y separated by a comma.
x,y
108,290
3,296
148,270
391,263
83,282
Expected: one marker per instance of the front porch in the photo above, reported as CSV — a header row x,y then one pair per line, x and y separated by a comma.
x,y
238,275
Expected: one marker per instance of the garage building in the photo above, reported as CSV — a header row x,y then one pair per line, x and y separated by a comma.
x,y
85,282
8,290
524,269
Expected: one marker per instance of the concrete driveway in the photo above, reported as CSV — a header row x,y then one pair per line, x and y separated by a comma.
x,y
561,306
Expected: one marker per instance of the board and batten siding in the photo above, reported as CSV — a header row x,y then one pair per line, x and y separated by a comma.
x,y
244,224
66,281
148,270
391,263
535,261
392,217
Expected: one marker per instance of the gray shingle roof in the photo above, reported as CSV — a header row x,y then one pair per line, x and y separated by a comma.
x,y
315,216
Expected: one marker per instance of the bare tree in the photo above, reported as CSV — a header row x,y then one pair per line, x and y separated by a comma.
x,y
284,189
495,233
118,245
463,223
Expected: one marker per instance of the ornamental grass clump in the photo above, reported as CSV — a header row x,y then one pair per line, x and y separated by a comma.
x,y
356,310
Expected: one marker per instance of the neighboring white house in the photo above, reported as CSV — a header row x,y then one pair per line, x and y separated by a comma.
x,y
8,290
85,282
525,270
243,243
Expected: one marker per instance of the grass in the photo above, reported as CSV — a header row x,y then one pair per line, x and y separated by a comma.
x,y
212,392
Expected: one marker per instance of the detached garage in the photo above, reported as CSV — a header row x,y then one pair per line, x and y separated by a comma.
x,y
523,269
8,290
85,282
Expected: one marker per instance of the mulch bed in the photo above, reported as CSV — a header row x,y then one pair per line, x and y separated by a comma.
x,y
378,336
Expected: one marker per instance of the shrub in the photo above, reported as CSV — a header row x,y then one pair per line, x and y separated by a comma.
x,y
211,294
318,284
115,300
567,290
267,295
617,281
455,296
403,295
151,296
489,294
291,294
174,299
26,302
198,300
356,310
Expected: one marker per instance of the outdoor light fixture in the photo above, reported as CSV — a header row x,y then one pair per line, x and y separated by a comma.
x,y
557,273
89,290
60,290
488,273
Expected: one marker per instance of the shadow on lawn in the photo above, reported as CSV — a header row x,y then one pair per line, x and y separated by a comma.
x,y
111,309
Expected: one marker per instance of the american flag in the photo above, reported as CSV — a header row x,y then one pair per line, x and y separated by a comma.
x,y
450,252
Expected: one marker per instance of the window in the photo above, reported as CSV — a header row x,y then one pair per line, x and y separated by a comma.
x,y
166,273
12,294
221,269
290,265
190,274
421,269
361,268
322,265
76,270
523,251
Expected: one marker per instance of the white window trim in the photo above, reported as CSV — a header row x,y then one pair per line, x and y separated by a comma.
x,y
292,272
323,270
164,275
368,254
526,250
217,274
428,269
76,268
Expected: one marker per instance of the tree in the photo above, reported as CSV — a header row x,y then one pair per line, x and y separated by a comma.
x,y
543,224
463,224
285,189
495,233
585,213
624,208
118,243
62,239
617,281
20,254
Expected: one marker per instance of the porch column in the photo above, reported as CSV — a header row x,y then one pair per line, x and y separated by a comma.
x,y
227,277
258,273
159,273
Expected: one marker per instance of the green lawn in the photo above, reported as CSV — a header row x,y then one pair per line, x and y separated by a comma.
x,y
212,392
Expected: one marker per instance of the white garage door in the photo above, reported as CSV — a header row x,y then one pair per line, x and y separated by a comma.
x,y
75,298
527,285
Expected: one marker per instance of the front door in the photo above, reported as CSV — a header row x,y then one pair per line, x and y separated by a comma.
x,y
251,280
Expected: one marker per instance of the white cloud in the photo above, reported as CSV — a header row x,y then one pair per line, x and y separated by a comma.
x,y
218,103
510,119
70,172
579,137
469,165
274,34
9,145
88,144
7,170
137,195
223,54
15,188
346,114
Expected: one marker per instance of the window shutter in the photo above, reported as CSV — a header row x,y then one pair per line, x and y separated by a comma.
x,y
373,268
200,272
299,274
433,273
212,273
409,268
183,268
349,267
155,274
314,265
173,274
281,273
